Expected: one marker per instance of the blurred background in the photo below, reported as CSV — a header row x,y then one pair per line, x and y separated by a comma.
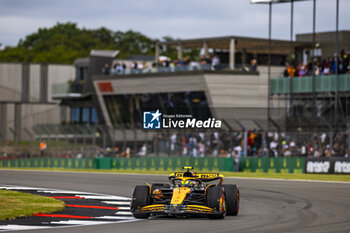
x,y
76,78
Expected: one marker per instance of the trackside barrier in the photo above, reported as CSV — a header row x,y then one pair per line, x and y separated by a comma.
x,y
272,164
331,165
261,164
171,163
49,163
151,163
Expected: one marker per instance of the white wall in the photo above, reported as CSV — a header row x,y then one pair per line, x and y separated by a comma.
x,y
10,81
34,86
236,91
32,114
276,71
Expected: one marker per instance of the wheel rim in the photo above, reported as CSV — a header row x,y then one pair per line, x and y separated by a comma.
x,y
237,201
223,205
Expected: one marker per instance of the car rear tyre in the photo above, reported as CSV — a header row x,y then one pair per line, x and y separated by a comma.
x,y
140,198
232,199
216,200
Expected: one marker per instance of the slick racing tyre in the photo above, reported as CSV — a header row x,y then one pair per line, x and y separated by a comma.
x,y
140,198
216,200
232,199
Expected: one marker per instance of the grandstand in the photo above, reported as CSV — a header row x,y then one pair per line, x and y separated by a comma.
x,y
218,91
99,101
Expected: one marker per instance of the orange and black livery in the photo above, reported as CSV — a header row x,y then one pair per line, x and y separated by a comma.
x,y
188,193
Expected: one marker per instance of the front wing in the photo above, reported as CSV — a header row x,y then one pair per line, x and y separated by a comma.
x,y
160,209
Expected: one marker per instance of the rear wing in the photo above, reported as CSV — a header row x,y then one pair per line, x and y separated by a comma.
x,y
205,177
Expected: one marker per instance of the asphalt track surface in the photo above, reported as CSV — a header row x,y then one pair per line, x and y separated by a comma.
x,y
266,205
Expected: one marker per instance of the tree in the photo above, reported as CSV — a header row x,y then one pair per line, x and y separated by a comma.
x,y
65,42
131,43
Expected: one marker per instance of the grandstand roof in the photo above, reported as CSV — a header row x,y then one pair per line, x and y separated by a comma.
x,y
249,44
104,53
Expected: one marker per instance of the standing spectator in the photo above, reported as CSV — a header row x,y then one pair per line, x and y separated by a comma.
x,y
201,149
106,69
140,66
326,69
333,66
310,68
345,62
317,69
123,68
273,149
173,140
202,60
215,62
253,64
328,152
118,68
134,65
291,71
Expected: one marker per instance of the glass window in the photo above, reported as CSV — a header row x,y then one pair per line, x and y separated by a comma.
x,y
94,117
86,115
75,115
125,111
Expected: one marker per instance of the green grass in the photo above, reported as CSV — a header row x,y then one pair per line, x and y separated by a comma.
x,y
15,204
320,177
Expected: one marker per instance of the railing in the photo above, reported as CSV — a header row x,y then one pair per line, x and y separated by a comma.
x,y
163,69
304,84
65,89
59,89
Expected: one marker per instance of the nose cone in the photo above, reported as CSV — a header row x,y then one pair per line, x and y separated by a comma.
x,y
179,195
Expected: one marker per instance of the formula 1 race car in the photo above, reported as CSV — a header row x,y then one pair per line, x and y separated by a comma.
x,y
189,193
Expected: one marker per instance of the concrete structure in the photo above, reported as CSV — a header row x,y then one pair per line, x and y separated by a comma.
x,y
25,97
237,50
27,90
230,94
223,91
326,42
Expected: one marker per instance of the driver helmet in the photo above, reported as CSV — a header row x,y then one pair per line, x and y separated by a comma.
x,y
189,183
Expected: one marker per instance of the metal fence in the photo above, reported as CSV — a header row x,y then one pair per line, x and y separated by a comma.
x,y
76,141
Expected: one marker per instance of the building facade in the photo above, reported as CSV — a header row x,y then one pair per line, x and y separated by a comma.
x,y
25,97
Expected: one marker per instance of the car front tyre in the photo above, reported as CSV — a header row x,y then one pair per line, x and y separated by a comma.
x,y
140,198
216,201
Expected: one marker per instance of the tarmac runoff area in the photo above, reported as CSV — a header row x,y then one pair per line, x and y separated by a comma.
x,y
266,205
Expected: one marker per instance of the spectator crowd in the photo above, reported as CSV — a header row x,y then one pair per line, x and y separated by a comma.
x,y
318,68
223,143
205,62
231,144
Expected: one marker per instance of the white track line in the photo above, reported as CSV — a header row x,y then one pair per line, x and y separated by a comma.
x,y
89,222
63,191
115,217
20,227
123,208
117,203
21,188
123,213
5,228
80,222
104,197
